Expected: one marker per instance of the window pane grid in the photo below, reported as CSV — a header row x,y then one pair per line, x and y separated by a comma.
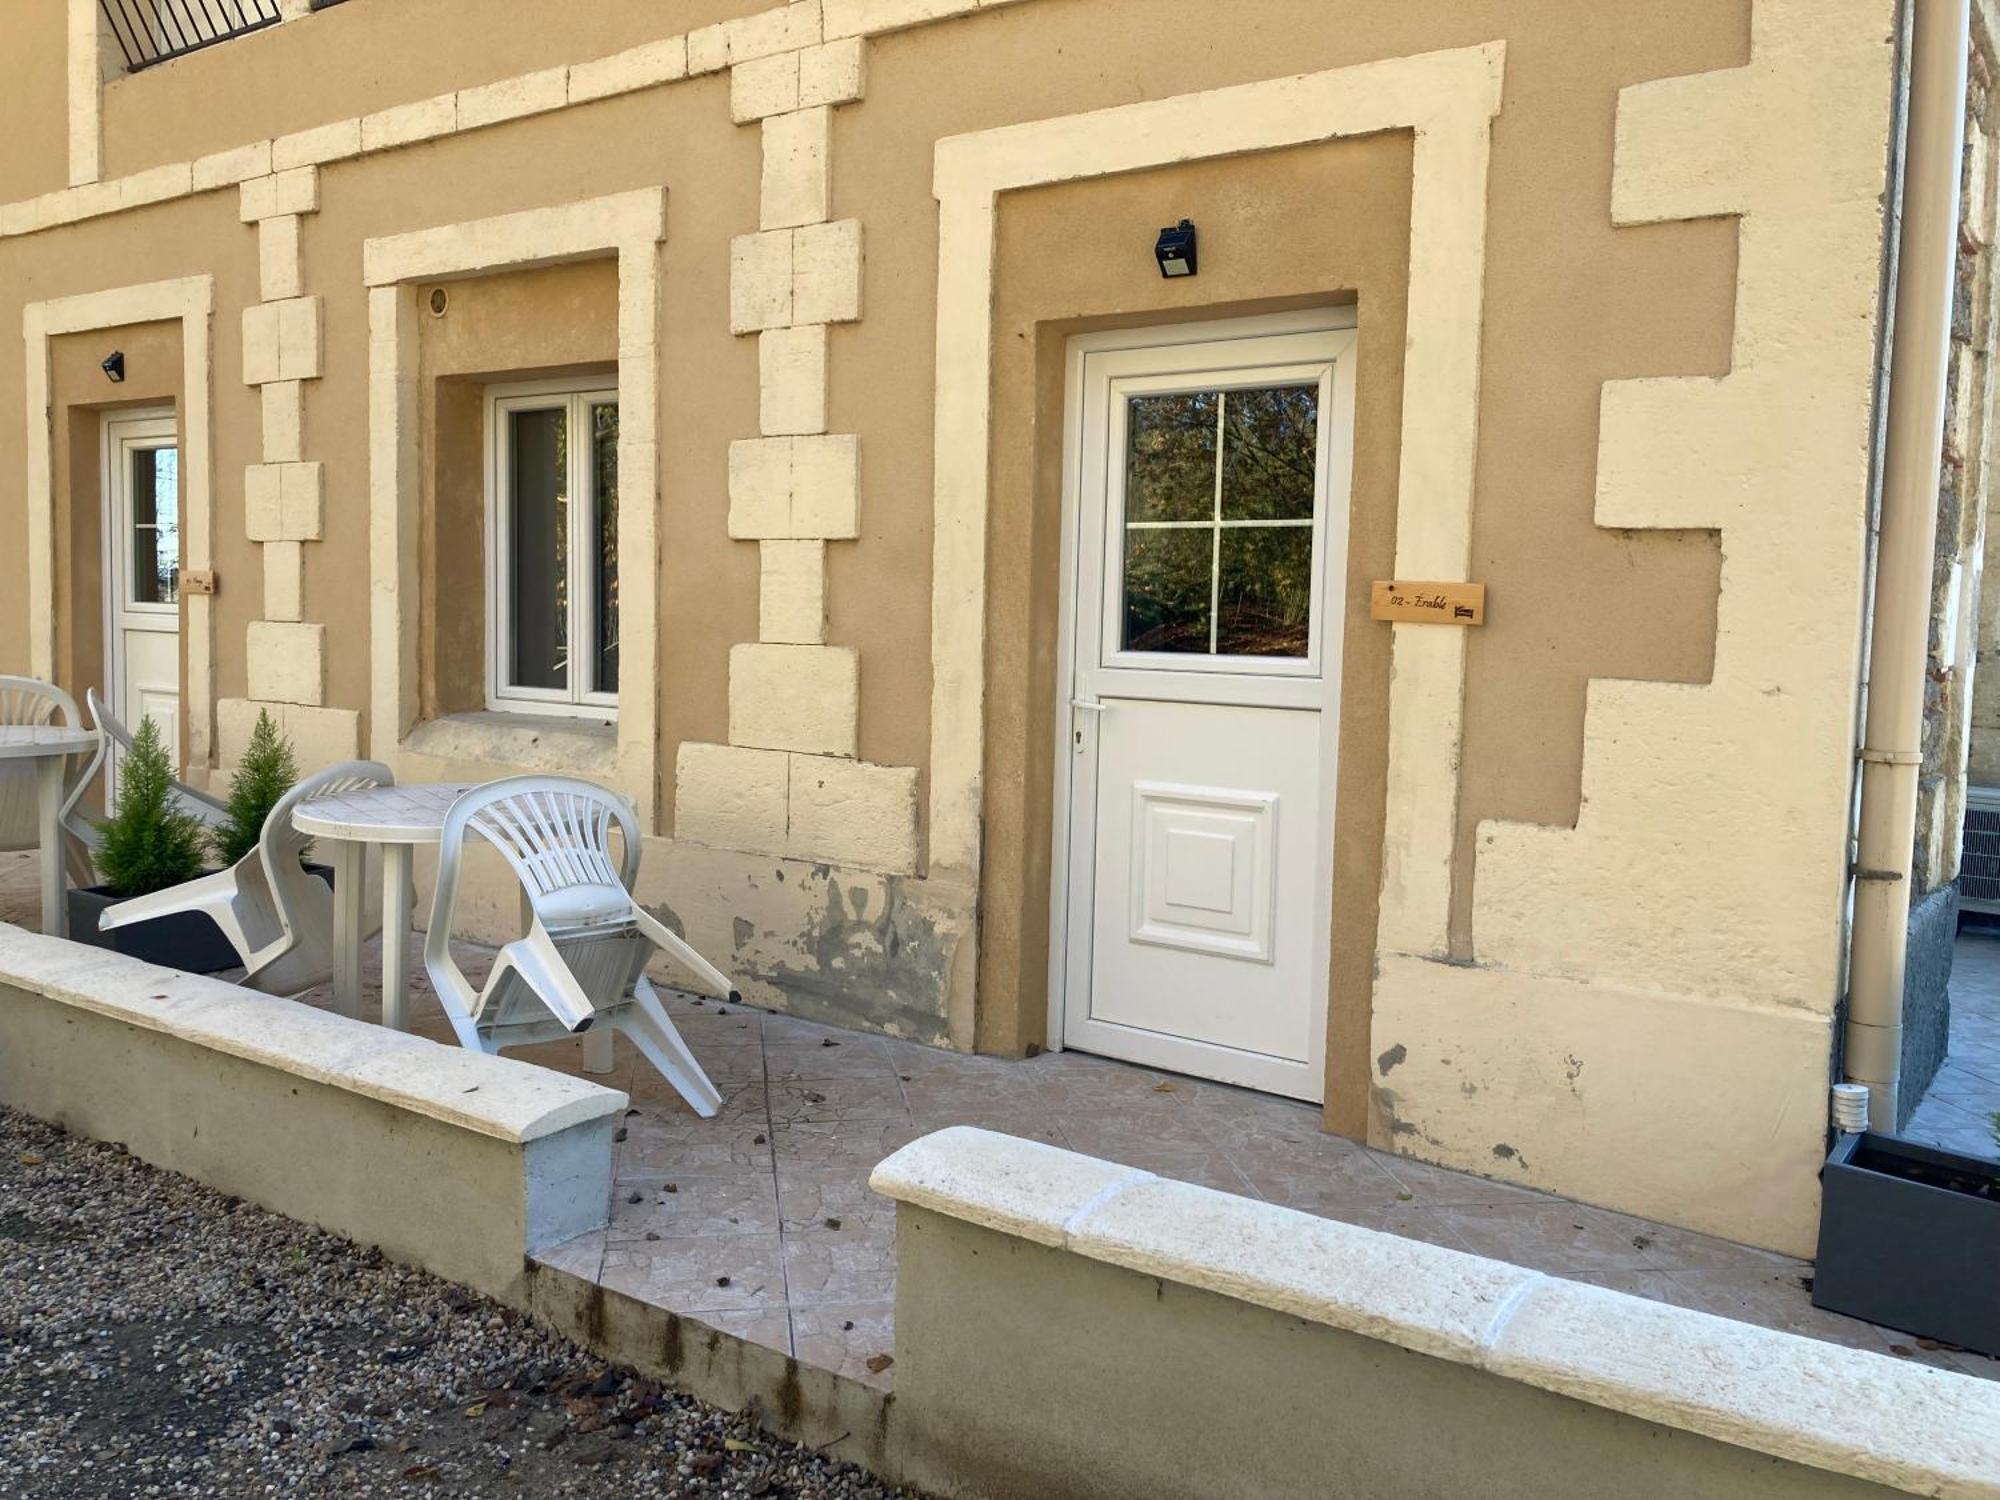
x,y
1239,583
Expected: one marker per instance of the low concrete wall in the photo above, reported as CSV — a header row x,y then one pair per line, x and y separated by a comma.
x,y
455,1161
1070,1328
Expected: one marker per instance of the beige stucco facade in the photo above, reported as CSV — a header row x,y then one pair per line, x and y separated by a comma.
x,y
1616,274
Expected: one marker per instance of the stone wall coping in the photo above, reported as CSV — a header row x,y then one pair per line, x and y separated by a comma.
x,y
1910,1427
493,1096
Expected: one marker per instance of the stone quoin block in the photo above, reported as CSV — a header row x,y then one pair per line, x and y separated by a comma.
x,y
284,580
286,661
283,502
760,281
850,812
283,420
795,488
281,340
791,593
768,86
791,380
760,488
826,272
835,73
293,192
280,273
794,698
797,182
826,486
731,797
320,736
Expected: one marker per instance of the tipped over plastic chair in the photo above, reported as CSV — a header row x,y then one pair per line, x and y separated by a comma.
x,y
276,914
29,700
80,815
583,961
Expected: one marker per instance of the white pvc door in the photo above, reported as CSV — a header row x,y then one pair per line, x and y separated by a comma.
x,y
142,573
1208,535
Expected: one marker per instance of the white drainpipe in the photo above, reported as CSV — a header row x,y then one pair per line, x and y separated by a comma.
x,y
1920,347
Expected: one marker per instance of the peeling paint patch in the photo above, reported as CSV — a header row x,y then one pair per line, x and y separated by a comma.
x,y
1388,1060
744,931
886,968
1506,1152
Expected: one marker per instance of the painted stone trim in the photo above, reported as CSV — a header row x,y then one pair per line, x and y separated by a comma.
x,y
793,489
190,301
1448,99
627,226
1710,904
825,74
284,497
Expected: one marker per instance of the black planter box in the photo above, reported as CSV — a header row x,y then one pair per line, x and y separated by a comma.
x,y
1909,1237
189,942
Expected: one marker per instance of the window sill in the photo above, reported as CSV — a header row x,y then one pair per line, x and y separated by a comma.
x,y
528,742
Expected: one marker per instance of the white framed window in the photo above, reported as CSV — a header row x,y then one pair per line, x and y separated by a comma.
x,y
552,548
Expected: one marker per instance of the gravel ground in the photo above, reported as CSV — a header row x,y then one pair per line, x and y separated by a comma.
x,y
159,1338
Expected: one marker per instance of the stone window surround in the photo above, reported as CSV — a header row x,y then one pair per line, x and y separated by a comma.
x,y
1448,99
630,227
190,302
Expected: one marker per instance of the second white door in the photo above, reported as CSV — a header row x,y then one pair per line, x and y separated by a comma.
x,y
142,575
1208,482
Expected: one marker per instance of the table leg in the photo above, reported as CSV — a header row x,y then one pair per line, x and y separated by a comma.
x,y
350,867
396,904
49,779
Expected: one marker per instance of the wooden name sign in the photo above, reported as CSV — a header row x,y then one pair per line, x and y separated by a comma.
x,y
1428,603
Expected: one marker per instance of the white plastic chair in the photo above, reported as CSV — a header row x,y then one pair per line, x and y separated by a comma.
x,y
29,700
277,916
583,961
81,815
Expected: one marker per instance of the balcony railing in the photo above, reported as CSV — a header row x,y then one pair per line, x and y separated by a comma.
x,y
151,31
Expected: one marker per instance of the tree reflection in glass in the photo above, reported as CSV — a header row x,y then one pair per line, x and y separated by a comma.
x,y
1220,493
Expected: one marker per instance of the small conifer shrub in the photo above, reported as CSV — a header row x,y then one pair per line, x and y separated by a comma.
x,y
149,844
266,773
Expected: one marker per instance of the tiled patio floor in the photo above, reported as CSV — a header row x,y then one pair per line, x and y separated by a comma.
x,y
1957,1110
760,1221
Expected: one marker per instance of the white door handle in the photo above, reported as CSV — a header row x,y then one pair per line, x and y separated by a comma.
x,y
1091,707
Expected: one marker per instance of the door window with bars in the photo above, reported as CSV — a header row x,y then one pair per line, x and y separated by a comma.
x,y
552,595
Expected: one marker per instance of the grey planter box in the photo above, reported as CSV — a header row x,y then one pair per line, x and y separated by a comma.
x,y
1909,1237
189,941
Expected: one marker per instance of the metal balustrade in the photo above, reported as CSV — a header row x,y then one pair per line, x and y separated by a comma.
x,y
151,31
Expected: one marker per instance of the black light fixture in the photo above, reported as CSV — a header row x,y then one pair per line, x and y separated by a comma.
x,y
114,366
1175,250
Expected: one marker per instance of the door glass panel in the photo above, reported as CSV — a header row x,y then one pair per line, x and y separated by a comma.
x,y
1269,453
1170,473
156,525
1264,603
604,578
1220,501
1167,594
538,550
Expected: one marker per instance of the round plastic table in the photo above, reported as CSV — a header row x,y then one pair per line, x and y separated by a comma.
x,y
398,818
50,746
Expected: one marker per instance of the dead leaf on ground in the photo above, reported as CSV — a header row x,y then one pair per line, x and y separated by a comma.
x,y
877,1363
